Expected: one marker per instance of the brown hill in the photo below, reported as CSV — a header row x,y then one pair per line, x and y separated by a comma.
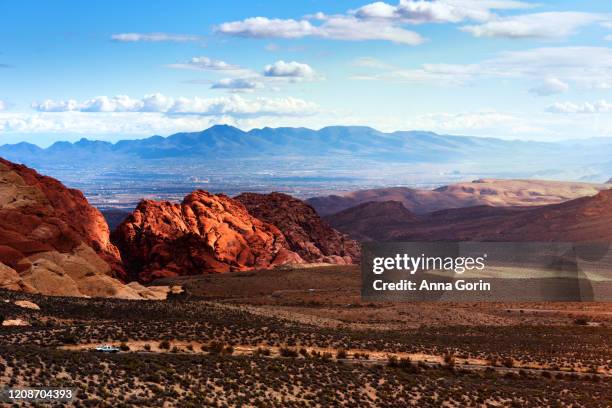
x,y
52,241
500,193
373,220
306,233
582,219
205,233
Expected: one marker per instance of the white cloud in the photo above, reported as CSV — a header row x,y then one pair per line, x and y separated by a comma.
x,y
342,27
440,11
154,37
536,25
601,106
291,69
3,105
233,106
246,80
374,21
550,86
584,67
237,84
263,27
207,64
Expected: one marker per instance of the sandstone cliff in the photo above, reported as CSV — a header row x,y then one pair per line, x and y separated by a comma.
x,y
204,233
52,241
307,234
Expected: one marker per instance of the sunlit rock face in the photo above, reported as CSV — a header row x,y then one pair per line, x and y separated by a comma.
x,y
206,233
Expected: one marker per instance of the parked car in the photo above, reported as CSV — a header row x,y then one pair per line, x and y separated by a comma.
x,y
107,349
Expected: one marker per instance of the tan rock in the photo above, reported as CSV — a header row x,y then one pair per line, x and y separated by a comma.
x,y
26,304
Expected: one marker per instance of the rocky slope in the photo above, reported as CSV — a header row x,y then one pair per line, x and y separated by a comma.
x,y
373,220
499,193
52,241
582,219
306,233
204,233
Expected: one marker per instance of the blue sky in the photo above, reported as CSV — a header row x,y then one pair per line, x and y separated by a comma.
x,y
112,70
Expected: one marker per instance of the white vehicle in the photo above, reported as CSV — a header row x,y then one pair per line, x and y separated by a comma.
x,y
107,349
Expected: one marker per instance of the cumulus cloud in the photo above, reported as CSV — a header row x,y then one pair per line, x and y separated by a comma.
x,y
247,80
342,27
601,106
536,25
3,105
154,37
440,11
550,86
263,27
374,21
291,69
237,84
159,103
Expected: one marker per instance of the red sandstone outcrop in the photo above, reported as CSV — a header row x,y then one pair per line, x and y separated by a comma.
x,y
52,241
306,233
206,233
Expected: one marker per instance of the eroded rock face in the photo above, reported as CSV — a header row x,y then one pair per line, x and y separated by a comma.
x,y
52,241
67,212
206,233
306,233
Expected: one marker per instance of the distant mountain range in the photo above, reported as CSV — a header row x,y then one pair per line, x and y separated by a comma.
x,y
222,141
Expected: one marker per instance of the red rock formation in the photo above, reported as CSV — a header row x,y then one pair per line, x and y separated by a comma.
x,y
307,234
206,233
52,241
71,206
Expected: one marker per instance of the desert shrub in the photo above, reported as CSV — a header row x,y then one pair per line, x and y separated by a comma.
x,y
164,345
341,354
215,347
392,361
404,363
262,351
288,352
229,349
124,347
147,347
449,359
508,362
581,321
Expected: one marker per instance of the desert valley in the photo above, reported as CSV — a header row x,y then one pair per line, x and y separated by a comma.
x,y
255,300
